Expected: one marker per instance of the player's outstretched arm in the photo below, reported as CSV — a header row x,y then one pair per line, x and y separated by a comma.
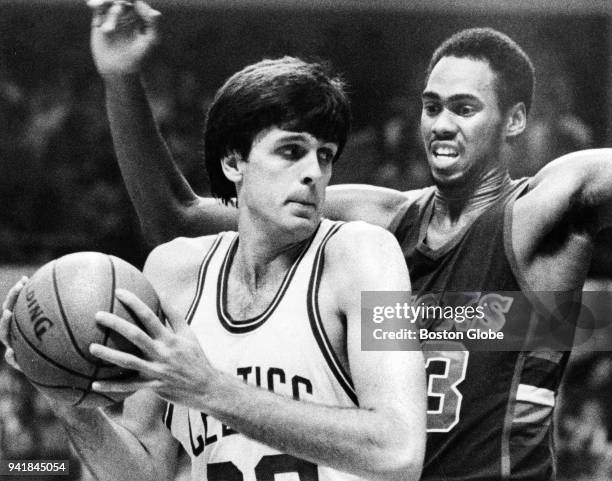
x,y
571,196
369,203
136,446
123,35
382,438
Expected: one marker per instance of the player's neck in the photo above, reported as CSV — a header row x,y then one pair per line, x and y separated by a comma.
x,y
454,203
263,257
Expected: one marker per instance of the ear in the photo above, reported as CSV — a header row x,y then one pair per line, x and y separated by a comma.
x,y
516,120
231,165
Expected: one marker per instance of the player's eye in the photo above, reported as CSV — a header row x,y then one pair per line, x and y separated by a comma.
x,y
465,110
292,151
326,155
431,108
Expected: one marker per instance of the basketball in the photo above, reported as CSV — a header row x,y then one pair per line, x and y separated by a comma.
x,y
53,325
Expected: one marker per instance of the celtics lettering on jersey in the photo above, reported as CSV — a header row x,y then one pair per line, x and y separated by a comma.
x,y
205,430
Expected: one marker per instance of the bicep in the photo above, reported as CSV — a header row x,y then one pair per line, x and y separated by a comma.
x,y
601,262
393,379
578,183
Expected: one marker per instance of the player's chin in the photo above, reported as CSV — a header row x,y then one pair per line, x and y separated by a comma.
x,y
448,178
301,225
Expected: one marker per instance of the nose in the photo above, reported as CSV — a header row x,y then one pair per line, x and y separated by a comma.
x,y
443,125
311,169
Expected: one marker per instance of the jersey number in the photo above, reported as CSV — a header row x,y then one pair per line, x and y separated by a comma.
x,y
445,372
266,469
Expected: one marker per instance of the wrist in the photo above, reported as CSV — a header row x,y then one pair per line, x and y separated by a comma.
x,y
72,416
219,390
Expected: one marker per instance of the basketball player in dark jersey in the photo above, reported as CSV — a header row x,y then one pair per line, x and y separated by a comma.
x,y
259,371
489,413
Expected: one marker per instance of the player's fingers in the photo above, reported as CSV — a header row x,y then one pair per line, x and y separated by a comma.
x,y
9,357
147,317
13,293
129,386
103,5
128,330
99,9
149,15
150,20
120,16
119,358
5,322
98,3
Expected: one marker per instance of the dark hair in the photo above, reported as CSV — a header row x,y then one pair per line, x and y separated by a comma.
x,y
288,93
515,72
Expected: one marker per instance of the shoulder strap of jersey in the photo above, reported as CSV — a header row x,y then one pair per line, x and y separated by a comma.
x,y
410,211
316,322
202,276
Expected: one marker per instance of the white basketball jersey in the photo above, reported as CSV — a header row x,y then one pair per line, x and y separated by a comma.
x,y
284,350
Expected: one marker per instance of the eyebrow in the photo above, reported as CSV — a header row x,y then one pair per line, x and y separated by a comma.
x,y
453,98
293,137
304,138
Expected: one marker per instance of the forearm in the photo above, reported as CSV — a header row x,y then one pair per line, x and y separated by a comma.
x,y
159,191
109,450
359,440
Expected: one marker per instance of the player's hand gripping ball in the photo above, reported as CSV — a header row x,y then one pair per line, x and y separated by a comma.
x,y
53,325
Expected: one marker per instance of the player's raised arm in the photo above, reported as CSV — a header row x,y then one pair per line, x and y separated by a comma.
x,y
123,36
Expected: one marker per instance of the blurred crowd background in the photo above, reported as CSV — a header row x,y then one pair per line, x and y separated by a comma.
x,y
61,190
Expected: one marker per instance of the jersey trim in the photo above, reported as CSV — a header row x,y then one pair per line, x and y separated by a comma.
x,y
243,326
201,278
316,323
415,198
509,249
167,418
438,252
535,395
506,462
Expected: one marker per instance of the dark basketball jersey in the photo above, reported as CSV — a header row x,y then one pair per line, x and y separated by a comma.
x,y
489,413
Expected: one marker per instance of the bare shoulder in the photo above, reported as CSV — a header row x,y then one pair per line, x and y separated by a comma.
x,y
353,237
366,257
577,166
172,268
178,252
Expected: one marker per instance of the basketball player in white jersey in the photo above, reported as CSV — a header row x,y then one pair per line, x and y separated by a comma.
x,y
259,371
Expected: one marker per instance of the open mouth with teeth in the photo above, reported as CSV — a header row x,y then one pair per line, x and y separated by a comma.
x,y
445,152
